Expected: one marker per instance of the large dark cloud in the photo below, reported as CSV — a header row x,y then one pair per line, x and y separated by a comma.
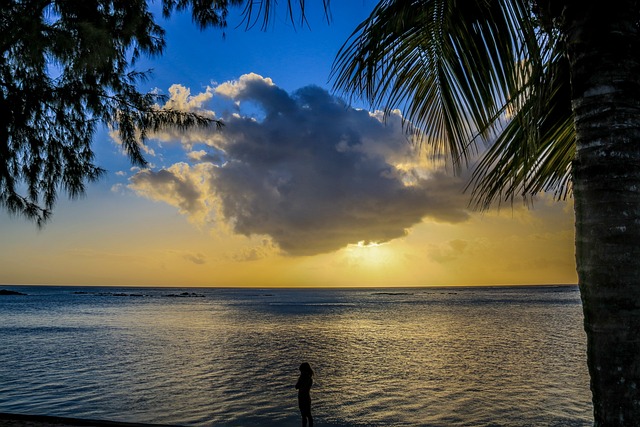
x,y
316,175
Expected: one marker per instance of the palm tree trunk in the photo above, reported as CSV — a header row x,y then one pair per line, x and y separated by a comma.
x,y
603,49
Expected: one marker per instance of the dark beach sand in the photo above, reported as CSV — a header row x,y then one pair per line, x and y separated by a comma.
x,y
20,420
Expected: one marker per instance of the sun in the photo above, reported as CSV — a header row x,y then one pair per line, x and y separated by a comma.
x,y
371,254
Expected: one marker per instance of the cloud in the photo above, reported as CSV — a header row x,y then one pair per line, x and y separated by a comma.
x,y
197,259
450,251
264,250
306,170
180,185
202,156
180,98
238,89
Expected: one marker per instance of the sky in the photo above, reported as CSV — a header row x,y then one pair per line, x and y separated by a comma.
x,y
302,186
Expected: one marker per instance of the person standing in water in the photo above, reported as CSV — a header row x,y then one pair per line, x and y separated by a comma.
x,y
304,396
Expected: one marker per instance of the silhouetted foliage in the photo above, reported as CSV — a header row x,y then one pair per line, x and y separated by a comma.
x,y
66,69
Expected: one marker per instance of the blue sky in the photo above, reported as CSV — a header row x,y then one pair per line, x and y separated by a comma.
x,y
293,56
298,189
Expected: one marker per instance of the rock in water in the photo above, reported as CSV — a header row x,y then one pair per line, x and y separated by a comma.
x,y
6,292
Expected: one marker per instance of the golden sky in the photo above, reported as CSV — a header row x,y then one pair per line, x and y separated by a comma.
x,y
123,240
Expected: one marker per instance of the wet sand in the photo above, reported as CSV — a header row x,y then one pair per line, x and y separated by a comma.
x,y
20,420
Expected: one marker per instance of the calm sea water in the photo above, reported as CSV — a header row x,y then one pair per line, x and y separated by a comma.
x,y
229,357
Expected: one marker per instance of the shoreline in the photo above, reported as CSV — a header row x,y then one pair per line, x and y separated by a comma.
x,y
24,420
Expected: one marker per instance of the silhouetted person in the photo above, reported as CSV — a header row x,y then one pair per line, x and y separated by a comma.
x,y
304,397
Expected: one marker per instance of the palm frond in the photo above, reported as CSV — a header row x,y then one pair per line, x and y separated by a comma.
x,y
451,69
464,73
534,150
262,12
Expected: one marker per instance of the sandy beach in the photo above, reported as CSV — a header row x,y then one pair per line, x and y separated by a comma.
x,y
20,420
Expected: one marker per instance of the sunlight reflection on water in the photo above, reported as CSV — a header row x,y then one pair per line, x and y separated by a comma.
x,y
432,357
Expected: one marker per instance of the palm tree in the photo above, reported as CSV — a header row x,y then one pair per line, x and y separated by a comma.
x,y
553,89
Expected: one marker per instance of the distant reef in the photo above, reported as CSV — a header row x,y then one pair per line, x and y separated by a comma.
x,y
108,294
185,295
7,292
392,293
123,294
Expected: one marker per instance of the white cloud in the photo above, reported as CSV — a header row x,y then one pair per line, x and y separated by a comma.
x,y
180,98
235,89
180,185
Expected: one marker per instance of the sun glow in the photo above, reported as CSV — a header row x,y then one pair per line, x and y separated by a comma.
x,y
368,244
371,254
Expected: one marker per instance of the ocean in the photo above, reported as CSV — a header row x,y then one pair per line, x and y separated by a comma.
x,y
490,356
